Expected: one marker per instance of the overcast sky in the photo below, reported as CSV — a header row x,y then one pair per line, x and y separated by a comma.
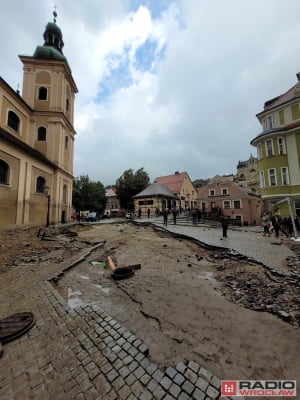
x,y
167,85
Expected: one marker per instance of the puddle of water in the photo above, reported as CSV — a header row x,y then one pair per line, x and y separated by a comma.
x,y
105,290
73,298
207,275
62,291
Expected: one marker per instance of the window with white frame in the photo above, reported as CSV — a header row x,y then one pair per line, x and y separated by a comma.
x,y
224,191
259,153
262,179
269,148
285,176
226,204
270,121
212,192
272,177
281,146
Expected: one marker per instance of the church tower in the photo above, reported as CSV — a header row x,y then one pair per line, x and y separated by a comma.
x,y
49,89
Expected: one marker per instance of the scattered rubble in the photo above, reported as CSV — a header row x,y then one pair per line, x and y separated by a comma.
x,y
27,246
261,288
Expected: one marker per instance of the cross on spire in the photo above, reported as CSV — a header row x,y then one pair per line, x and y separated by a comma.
x,y
54,14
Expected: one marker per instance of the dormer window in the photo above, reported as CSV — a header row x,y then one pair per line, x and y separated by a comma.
x,y
224,191
43,93
212,192
270,122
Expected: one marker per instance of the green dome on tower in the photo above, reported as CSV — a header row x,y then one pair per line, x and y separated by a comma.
x,y
53,43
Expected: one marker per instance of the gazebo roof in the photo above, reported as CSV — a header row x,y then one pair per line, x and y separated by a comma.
x,y
155,189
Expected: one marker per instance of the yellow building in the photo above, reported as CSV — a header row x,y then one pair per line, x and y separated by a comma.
x,y
278,152
154,199
37,138
180,185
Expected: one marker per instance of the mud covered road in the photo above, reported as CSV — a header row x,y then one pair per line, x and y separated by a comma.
x,y
180,305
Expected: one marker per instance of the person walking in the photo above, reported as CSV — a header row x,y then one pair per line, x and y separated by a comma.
x,y
194,216
265,224
165,215
224,223
148,212
276,222
174,212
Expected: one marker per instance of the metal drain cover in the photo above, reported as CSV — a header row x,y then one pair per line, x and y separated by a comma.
x,y
15,325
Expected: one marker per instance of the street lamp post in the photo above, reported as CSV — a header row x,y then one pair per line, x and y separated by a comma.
x,y
46,192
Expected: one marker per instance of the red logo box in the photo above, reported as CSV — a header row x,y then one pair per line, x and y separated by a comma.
x,y
229,388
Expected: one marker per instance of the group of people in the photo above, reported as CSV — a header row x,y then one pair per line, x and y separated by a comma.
x,y
165,214
195,214
278,224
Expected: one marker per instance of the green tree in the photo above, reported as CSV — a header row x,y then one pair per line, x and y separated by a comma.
x,y
88,195
130,184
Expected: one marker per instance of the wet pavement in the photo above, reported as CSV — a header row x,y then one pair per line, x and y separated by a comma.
x,y
248,241
83,353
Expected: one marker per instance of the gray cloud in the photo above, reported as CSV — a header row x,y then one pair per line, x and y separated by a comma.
x,y
196,112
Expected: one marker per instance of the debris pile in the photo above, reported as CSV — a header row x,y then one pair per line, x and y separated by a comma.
x,y
28,246
260,288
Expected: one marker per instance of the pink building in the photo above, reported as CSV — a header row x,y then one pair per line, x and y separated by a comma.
x,y
113,204
233,200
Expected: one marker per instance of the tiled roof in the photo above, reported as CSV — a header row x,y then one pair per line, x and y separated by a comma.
x,y
173,182
292,125
279,100
110,193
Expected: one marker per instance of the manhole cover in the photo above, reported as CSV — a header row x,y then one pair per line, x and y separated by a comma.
x,y
15,325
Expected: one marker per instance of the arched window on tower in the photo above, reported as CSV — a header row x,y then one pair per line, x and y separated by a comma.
x,y
13,121
66,142
4,173
65,192
42,134
40,184
67,104
43,92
